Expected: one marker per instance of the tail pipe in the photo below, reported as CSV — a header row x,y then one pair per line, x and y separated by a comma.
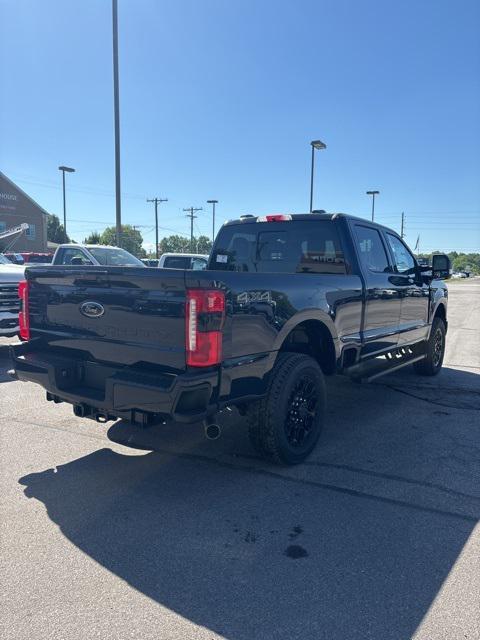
x,y
213,431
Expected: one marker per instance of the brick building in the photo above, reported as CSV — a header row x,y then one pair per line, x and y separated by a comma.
x,y
17,207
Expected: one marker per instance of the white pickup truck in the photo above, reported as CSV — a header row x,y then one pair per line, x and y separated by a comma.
x,y
10,276
195,261
96,254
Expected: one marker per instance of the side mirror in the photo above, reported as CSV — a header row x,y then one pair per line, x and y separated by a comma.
x,y
441,266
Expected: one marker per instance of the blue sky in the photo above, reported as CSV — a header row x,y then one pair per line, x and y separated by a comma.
x,y
220,99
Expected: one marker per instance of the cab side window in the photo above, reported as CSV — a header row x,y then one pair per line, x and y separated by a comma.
x,y
372,251
69,254
404,260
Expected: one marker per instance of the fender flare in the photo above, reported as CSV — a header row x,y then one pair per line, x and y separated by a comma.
x,y
440,303
303,316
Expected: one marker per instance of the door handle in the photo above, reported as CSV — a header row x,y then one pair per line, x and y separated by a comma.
x,y
401,280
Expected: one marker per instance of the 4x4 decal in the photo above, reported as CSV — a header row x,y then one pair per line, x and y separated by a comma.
x,y
254,296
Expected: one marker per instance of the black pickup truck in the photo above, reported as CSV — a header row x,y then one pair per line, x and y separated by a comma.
x,y
285,300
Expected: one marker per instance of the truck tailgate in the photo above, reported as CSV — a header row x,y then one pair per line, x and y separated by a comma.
x,y
124,315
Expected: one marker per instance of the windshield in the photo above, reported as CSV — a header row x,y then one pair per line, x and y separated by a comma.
x,y
114,256
4,260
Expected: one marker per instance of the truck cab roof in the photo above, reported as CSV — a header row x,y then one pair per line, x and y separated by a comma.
x,y
297,217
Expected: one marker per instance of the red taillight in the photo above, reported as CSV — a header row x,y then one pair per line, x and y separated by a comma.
x,y
275,217
204,315
23,316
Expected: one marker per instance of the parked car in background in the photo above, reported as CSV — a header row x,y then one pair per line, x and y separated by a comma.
x,y
10,276
15,258
30,257
95,254
195,261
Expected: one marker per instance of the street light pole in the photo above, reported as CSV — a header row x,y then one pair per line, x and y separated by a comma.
x,y
64,203
373,194
213,203
116,108
316,144
64,169
157,201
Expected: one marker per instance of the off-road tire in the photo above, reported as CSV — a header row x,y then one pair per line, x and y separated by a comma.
x,y
435,350
276,423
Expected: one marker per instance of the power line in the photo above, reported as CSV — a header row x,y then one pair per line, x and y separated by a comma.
x,y
432,213
435,223
80,189
426,221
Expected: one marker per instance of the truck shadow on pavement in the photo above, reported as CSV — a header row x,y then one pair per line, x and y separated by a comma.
x,y
249,551
5,363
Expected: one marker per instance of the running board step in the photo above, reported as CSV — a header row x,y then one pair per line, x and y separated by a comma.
x,y
373,369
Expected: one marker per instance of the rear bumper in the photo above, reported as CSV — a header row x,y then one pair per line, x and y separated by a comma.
x,y
8,323
101,390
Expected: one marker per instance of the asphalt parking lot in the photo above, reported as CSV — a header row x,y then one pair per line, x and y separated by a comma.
x,y
113,532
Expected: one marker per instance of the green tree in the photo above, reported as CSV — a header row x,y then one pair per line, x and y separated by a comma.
x,y
55,231
131,239
93,238
181,244
467,262
202,244
460,261
174,244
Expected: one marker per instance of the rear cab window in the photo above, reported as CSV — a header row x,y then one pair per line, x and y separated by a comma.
x,y
301,246
177,262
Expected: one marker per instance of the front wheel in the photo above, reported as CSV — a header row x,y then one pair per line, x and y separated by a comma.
x,y
285,426
435,351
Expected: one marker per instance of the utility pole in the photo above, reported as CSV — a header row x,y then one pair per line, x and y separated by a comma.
x,y
213,203
157,201
402,227
192,217
116,109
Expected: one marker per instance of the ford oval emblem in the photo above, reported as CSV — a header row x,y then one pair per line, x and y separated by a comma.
x,y
92,309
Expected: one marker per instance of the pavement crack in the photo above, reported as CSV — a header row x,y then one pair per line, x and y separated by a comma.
x,y
434,402
394,477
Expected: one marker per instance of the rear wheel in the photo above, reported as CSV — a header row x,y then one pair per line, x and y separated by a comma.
x,y
285,426
435,350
